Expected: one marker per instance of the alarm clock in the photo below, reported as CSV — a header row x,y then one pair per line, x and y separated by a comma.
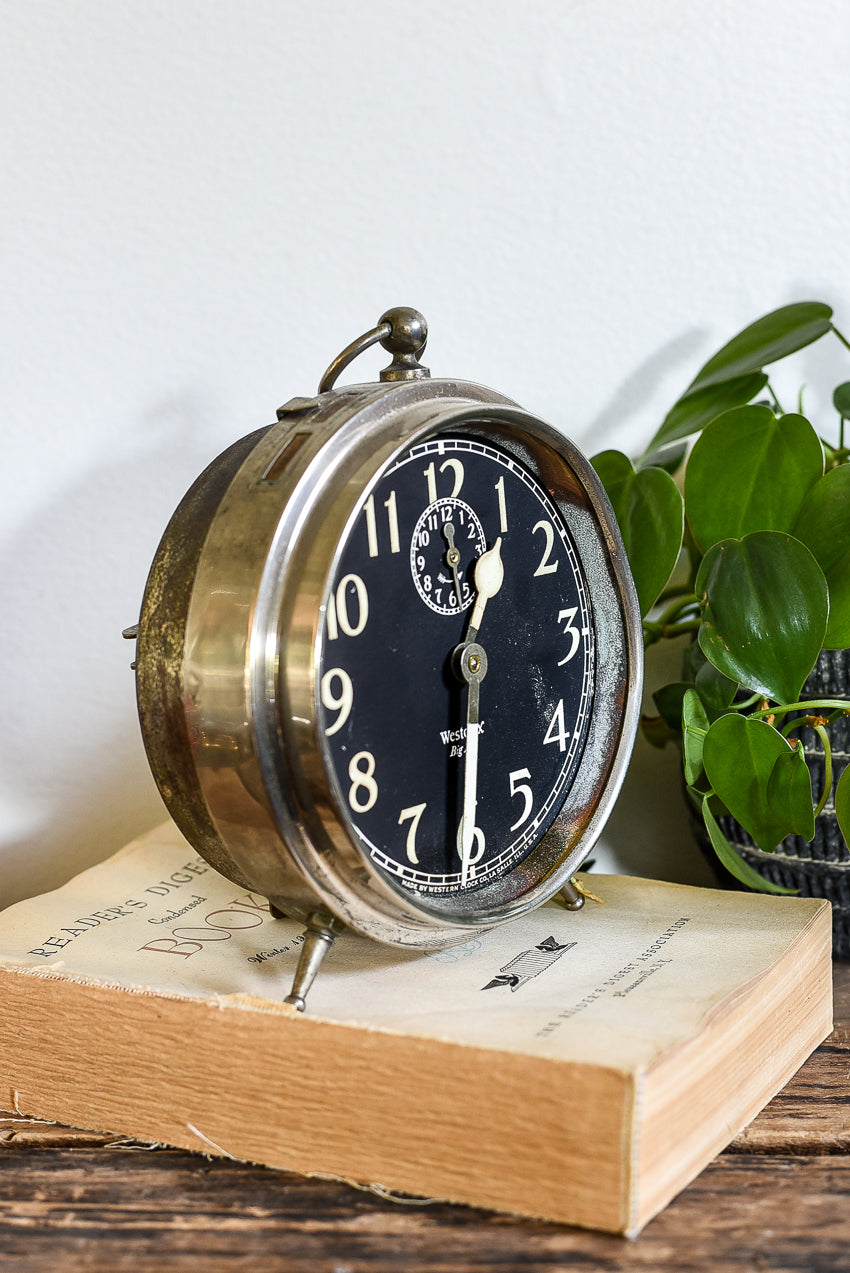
x,y
389,658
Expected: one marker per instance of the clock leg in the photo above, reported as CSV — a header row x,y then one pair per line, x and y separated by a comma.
x,y
573,899
318,938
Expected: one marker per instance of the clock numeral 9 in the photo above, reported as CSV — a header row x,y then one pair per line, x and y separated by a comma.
x,y
341,702
413,814
339,615
361,769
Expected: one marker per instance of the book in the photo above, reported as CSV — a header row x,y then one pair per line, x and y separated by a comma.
x,y
580,1067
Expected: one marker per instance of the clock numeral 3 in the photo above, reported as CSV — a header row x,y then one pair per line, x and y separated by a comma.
x,y
361,770
574,634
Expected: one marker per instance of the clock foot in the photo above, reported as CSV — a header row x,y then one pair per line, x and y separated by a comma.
x,y
573,899
318,939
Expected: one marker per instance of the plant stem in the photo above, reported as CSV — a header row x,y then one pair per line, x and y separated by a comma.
x,y
843,339
677,629
831,704
827,767
769,387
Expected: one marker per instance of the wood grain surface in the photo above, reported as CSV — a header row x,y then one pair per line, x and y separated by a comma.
x,y
778,1199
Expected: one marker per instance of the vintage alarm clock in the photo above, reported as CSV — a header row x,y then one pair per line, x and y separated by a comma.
x,y
389,658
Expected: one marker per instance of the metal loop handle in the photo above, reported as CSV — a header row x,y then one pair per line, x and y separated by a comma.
x,y
401,331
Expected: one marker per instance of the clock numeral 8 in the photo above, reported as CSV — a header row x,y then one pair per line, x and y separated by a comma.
x,y
361,769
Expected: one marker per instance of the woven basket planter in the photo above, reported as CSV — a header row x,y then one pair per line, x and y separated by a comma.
x,y
822,868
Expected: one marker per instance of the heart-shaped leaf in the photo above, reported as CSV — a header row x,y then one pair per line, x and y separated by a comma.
x,y
841,399
842,803
695,726
695,410
761,779
823,525
750,470
764,611
648,508
733,862
774,336
715,689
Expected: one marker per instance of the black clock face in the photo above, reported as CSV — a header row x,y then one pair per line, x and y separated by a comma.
x,y
406,753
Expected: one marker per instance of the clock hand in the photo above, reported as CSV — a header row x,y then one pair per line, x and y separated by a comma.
x,y
472,663
489,573
452,557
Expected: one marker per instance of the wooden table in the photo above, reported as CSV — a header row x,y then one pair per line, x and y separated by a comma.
x,y
778,1199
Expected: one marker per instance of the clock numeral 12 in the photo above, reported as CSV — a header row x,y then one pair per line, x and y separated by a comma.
x,y
430,477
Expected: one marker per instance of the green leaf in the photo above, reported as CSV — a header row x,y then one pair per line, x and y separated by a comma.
x,y
764,612
668,699
770,338
694,411
841,399
695,726
657,732
823,525
761,779
648,508
842,803
750,470
715,689
733,862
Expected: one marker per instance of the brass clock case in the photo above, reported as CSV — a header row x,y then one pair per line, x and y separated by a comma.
x,y
229,643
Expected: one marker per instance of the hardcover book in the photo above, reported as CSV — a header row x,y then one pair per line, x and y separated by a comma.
x,y
580,1067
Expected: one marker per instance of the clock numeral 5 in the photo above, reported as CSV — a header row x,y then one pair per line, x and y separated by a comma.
x,y
341,702
361,770
340,617
413,814
521,788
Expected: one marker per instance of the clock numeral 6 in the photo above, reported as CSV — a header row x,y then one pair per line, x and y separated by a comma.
x,y
521,788
361,769
413,814
341,702
339,615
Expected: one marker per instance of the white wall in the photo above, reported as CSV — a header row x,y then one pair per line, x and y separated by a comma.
x,y
203,201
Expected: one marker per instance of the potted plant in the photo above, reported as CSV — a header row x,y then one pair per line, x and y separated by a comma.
x,y
736,521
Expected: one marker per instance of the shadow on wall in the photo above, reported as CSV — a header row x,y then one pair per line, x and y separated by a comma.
x,y
74,781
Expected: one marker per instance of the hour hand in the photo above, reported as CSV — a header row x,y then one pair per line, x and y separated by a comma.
x,y
489,574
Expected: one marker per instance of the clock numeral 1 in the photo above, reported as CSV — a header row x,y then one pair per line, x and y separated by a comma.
x,y
503,511
430,477
339,616
546,566
413,814
392,523
341,702
361,770
557,731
